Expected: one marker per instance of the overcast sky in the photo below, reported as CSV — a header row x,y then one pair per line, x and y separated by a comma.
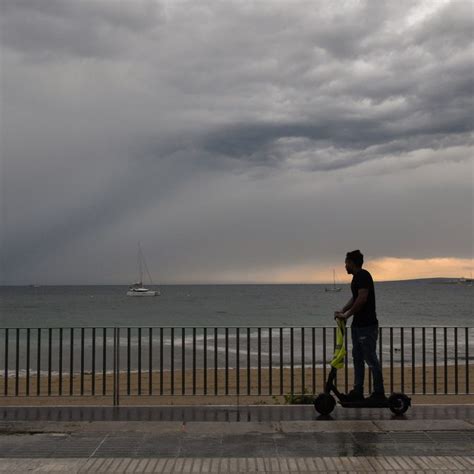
x,y
238,141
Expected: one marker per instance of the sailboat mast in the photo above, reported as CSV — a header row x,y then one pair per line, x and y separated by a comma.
x,y
140,265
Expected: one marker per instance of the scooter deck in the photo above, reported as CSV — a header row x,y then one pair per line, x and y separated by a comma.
x,y
365,404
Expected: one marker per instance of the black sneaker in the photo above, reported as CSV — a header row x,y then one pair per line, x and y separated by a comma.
x,y
353,396
377,397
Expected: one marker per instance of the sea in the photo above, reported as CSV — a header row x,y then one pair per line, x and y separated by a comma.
x,y
402,304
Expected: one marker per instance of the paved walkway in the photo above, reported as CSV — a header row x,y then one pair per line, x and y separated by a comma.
x,y
298,442
227,413
380,464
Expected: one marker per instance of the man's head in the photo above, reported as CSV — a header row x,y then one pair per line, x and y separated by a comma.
x,y
354,261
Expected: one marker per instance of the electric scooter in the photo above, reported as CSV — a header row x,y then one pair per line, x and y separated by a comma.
x,y
325,403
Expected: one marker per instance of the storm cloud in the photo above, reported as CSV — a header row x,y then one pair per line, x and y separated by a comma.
x,y
235,140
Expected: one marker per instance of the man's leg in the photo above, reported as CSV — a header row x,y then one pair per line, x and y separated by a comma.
x,y
369,346
358,357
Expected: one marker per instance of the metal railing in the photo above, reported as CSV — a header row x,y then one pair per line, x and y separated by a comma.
x,y
212,361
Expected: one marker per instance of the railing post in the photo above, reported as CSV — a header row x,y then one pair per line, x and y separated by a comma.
x,y
435,369
104,361
17,364
5,377
82,360
139,385
93,363
118,366
183,361
38,364
194,361
391,359
161,361
413,355
226,373
205,360
456,360
423,347
129,331
237,360
281,362
292,357
467,359
114,384
324,356
248,363
150,361
313,360
116,376
71,362
270,362
259,361
28,366
302,362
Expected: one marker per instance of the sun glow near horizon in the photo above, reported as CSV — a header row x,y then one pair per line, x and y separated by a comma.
x,y
382,269
390,268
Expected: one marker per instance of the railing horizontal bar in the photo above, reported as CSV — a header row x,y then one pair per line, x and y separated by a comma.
x,y
219,327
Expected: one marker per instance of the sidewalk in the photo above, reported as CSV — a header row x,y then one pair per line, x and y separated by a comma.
x,y
340,465
427,439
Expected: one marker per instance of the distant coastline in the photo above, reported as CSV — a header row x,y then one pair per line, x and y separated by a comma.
x,y
432,280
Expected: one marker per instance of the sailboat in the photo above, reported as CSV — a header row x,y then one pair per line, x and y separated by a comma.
x,y
137,289
334,288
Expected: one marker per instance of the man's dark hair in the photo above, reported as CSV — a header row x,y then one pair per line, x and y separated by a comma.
x,y
356,257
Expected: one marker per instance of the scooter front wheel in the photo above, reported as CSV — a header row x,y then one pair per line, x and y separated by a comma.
x,y
324,403
399,403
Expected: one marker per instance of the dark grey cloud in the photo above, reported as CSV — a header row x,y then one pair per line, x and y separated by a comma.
x,y
261,144
230,136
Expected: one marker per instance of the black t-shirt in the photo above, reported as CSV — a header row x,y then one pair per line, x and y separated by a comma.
x,y
367,315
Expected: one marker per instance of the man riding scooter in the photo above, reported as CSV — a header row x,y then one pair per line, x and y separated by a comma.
x,y
364,329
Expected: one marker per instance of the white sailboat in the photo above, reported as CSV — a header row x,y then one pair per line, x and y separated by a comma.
x,y
137,289
334,288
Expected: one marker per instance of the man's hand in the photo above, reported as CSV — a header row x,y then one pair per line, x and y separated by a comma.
x,y
339,315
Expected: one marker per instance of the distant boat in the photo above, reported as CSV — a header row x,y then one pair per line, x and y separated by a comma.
x,y
137,289
465,281
334,288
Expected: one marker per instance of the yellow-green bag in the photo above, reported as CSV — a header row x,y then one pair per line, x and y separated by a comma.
x,y
340,351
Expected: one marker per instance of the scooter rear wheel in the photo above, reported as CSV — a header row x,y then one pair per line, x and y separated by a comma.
x,y
324,403
399,403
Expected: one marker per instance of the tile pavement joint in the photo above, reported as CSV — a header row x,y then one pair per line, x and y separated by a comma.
x,y
99,445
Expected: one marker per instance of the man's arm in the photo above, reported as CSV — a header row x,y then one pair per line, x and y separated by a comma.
x,y
347,305
338,314
362,296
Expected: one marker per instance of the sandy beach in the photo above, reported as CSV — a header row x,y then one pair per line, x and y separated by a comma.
x,y
219,387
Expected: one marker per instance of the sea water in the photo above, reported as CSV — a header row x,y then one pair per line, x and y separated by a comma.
x,y
408,303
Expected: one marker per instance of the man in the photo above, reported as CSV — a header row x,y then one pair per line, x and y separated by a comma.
x,y
364,328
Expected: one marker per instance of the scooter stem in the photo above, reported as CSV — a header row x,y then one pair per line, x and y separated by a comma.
x,y
330,381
